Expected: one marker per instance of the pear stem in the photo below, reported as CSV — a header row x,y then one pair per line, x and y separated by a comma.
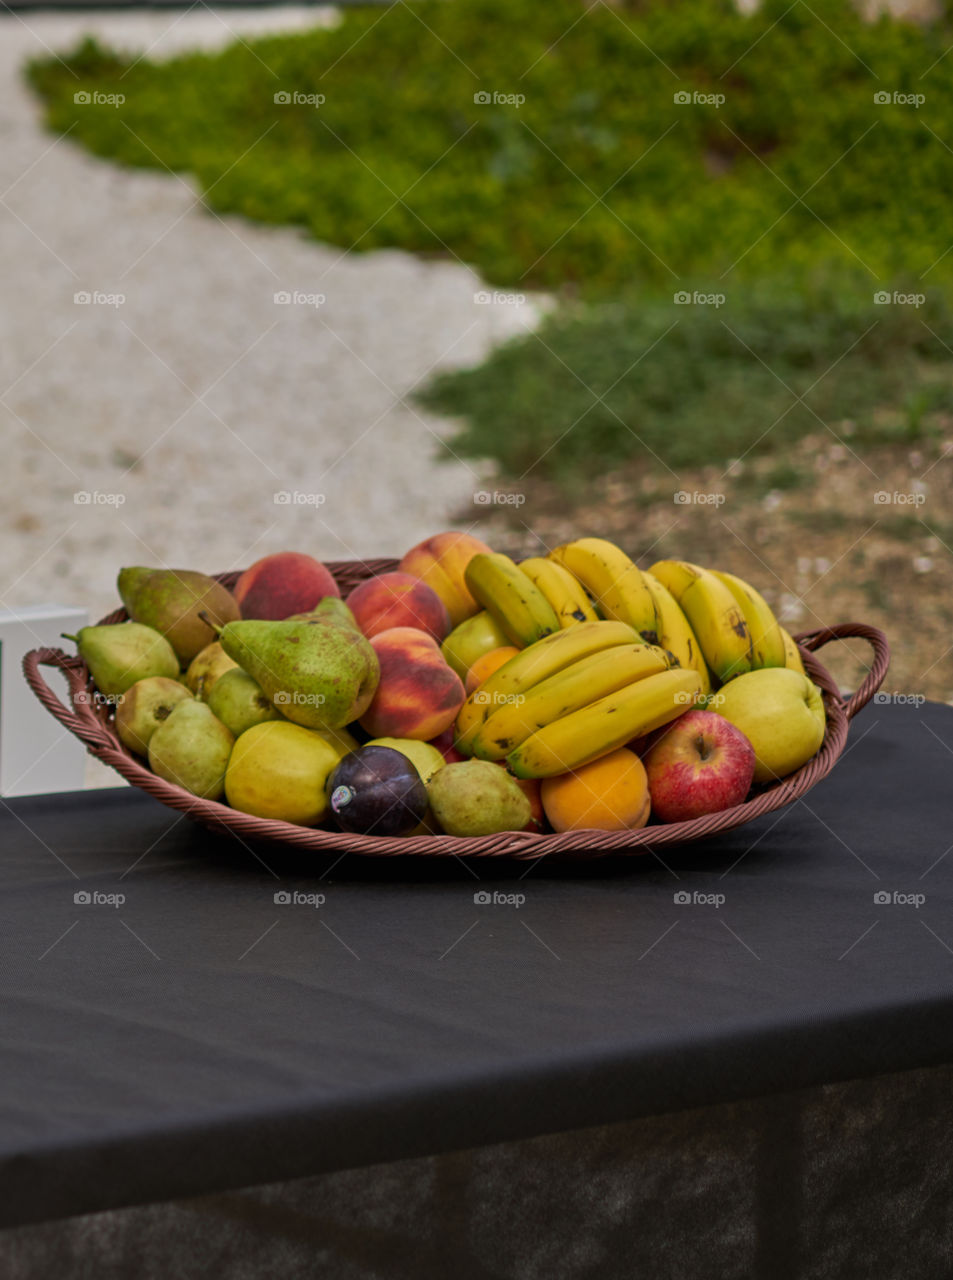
x,y
66,636
210,622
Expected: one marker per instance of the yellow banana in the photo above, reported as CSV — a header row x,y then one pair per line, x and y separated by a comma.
x,y
713,613
792,655
510,598
564,592
675,631
767,643
606,724
543,659
569,690
613,580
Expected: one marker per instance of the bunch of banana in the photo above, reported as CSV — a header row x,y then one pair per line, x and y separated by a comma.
x,y
792,655
713,613
569,690
511,598
613,580
675,632
533,665
564,592
604,725
767,642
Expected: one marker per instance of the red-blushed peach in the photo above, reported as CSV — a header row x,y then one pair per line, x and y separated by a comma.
x,y
418,695
287,582
398,600
440,561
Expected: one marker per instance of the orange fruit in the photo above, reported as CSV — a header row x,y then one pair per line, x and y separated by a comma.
x,y
610,794
487,663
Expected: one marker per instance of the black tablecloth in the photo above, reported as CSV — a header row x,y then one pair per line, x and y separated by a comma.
x,y
201,1035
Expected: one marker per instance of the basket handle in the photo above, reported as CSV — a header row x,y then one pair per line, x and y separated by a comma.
x,y
80,716
813,640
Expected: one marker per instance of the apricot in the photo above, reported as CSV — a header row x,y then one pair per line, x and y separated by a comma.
x,y
487,663
440,561
418,695
281,584
610,794
398,600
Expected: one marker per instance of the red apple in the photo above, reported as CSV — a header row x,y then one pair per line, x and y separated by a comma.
x,y
700,763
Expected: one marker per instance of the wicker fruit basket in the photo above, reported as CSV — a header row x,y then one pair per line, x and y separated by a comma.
x,y
91,720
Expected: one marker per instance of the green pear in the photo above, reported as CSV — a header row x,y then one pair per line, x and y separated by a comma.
x,y
477,798
318,674
240,702
144,707
206,667
121,653
192,748
172,599
329,609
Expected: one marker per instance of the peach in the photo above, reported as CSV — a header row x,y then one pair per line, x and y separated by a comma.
x,y
609,794
440,561
398,600
418,695
487,663
281,584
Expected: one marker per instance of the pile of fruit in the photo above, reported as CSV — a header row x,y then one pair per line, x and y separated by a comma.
x,y
462,694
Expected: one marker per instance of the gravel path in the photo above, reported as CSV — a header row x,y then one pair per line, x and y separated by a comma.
x,y
185,409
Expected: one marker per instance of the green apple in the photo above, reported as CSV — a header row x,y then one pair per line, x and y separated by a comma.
x,y
780,712
470,640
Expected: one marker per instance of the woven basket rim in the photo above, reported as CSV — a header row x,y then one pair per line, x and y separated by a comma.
x,y
89,717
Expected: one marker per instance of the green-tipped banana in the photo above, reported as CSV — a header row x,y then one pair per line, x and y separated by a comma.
x,y
675,631
613,580
605,725
715,616
767,642
564,592
519,606
577,686
525,670
792,654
